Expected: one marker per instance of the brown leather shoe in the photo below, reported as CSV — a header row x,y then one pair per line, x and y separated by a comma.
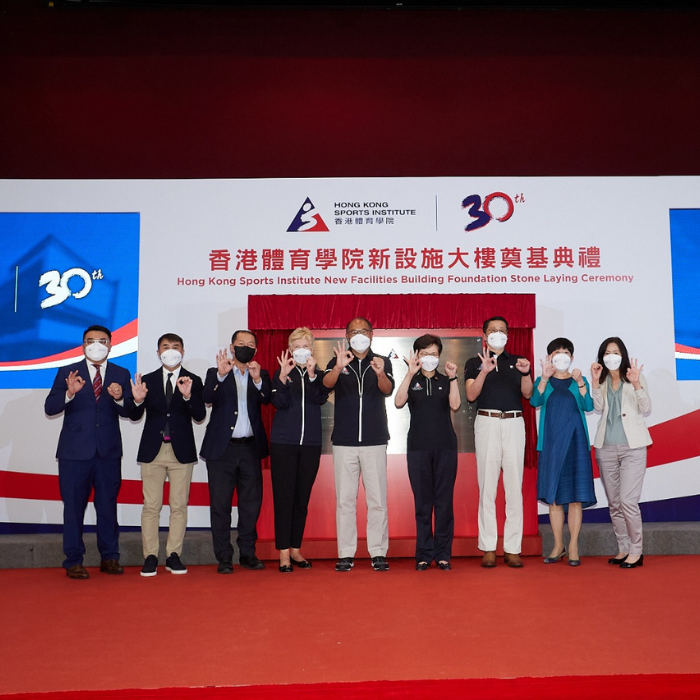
x,y
513,560
77,571
111,566
488,561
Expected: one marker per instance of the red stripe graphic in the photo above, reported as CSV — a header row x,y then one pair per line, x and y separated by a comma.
x,y
127,332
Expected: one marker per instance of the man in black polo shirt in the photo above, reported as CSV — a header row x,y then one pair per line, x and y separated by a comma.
x,y
362,381
497,381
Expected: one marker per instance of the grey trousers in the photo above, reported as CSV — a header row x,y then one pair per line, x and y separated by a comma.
x,y
622,471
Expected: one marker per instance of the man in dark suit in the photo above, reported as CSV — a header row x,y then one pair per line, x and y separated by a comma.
x,y
92,394
233,446
172,399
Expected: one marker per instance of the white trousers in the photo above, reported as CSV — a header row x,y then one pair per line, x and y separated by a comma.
x,y
500,446
349,463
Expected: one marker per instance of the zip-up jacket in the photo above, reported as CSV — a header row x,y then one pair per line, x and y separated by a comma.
x,y
360,407
298,402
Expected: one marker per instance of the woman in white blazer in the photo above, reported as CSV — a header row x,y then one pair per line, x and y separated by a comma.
x,y
620,391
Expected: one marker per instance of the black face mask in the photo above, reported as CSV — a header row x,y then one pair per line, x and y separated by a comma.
x,y
243,353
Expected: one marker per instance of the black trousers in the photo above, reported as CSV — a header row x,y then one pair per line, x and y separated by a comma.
x,y
293,469
432,474
238,469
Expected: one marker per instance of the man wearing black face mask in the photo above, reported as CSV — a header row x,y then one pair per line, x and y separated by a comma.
x,y
234,444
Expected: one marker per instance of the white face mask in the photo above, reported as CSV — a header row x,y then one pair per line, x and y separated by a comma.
x,y
360,342
561,361
612,361
429,363
497,340
301,355
171,357
96,352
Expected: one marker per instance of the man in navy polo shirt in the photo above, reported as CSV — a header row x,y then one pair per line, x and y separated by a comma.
x,y
497,380
362,382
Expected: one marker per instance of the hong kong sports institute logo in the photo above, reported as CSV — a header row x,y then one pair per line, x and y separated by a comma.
x,y
307,219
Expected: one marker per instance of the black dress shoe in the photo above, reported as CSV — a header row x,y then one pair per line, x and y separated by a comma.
x,y
251,562
616,562
305,564
633,565
445,565
286,568
225,566
422,566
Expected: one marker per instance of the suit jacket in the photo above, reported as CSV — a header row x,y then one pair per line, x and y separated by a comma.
x,y
632,406
89,426
179,416
223,397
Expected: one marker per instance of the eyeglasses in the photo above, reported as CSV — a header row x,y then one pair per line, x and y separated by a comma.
x,y
428,354
92,341
361,331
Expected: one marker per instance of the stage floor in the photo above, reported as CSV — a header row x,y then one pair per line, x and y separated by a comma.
x,y
316,626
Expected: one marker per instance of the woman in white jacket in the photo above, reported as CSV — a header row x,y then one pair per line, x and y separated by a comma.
x,y
620,391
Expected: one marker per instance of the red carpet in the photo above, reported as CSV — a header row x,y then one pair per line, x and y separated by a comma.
x,y
534,628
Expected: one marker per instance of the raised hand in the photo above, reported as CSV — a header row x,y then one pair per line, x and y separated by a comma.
x,y
634,371
450,369
488,363
224,364
286,363
596,369
576,374
548,369
184,385
311,366
254,369
523,365
343,356
115,391
377,364
74,383
413,363
138,389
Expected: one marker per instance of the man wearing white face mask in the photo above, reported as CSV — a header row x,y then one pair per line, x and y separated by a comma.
x,y
172,399
91,394
362,381
497,381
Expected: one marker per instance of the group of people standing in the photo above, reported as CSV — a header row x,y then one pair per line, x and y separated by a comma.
x,y
89,451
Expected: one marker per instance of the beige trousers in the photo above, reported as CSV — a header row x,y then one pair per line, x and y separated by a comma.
x,y
500,446
153,475
349,463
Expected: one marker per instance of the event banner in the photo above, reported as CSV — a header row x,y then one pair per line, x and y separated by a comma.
x,y
603,256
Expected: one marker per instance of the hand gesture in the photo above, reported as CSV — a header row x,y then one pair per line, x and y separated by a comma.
x,y
523,365
224,364
596,369
634,371
138,389
488,363
343,357
115,391
74,383
377,364
286,363
311,366
184,385
576,374
450,369
254,369
548,368
413,363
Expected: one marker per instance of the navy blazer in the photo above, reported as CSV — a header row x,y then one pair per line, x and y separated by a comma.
x,y
223,397
90,427
179,417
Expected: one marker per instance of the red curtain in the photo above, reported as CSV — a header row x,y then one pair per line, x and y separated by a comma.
x,y
274,317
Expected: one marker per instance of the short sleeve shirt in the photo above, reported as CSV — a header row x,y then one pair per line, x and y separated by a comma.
x,y
501,390
431,420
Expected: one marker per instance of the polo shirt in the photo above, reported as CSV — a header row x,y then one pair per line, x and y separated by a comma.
x,y
501,390
431,417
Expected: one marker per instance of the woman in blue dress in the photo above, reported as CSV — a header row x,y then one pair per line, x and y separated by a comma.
x,y
565,471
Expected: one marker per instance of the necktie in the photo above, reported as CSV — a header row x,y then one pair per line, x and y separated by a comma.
x,y
168,399
97,383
